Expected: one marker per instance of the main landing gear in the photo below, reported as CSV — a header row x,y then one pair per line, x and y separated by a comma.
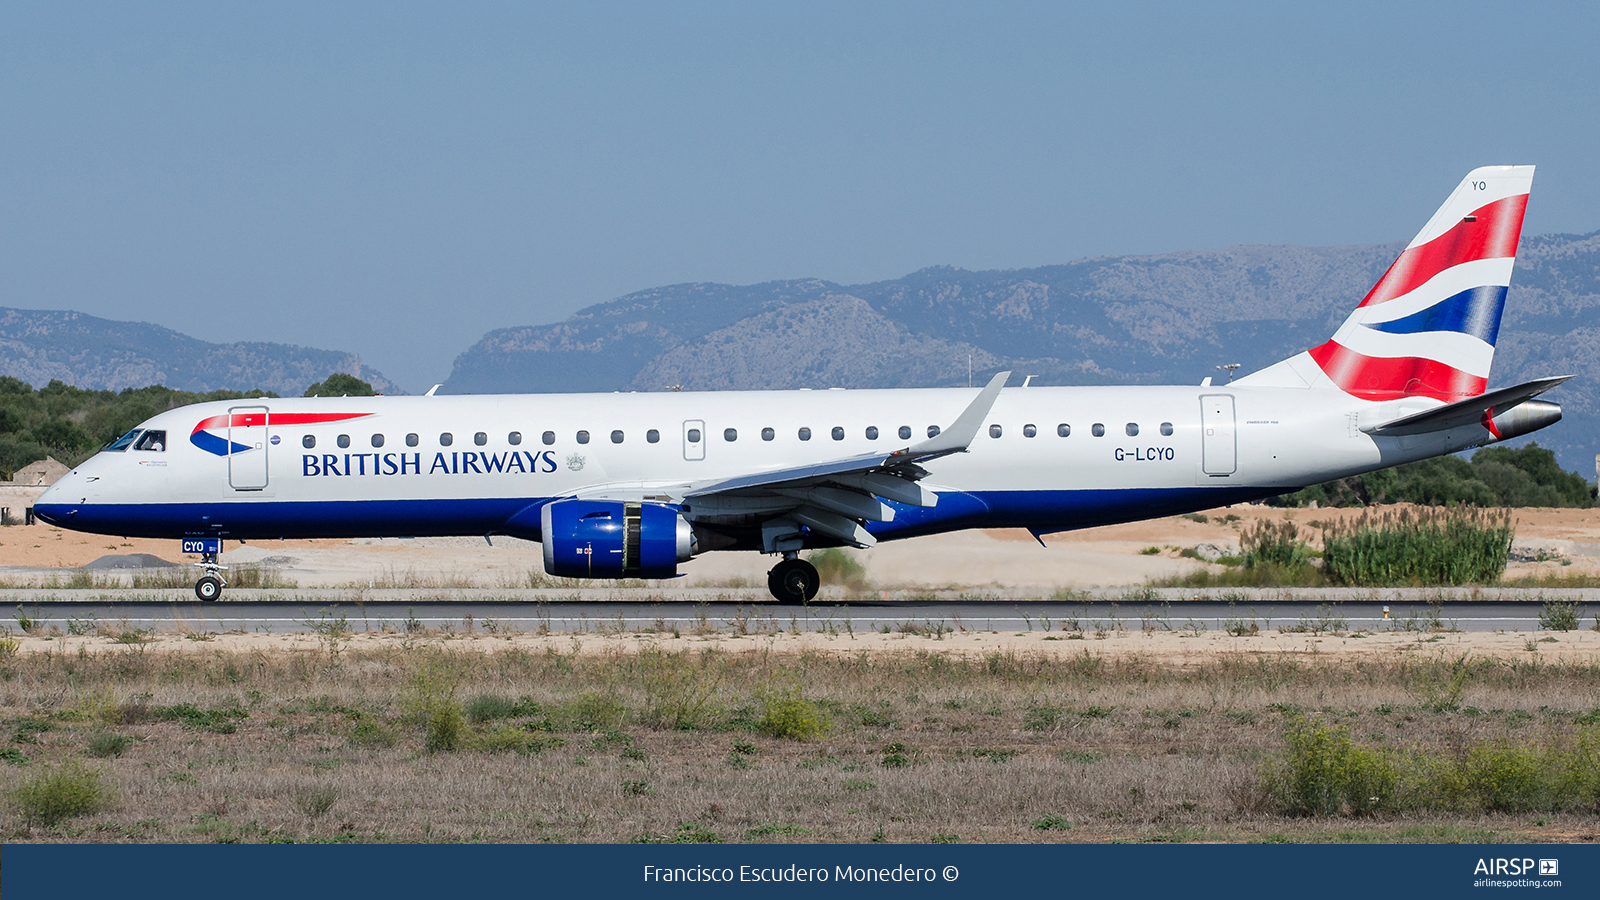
x,y
794,580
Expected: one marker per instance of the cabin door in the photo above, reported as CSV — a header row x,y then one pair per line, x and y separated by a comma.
x,y
247,448
1220,446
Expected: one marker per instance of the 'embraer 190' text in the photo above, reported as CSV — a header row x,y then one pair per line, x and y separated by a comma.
x,y
468,463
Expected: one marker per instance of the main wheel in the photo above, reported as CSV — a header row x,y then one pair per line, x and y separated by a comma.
x,y
208,588
793,581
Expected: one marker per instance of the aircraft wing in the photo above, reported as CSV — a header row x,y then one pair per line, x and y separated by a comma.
x,y
835,497
1471,411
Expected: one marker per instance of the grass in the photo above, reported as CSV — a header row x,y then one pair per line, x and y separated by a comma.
x,y
1429,546
993,747
64,792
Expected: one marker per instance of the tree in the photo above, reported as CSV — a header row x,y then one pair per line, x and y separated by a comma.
x,y
340,384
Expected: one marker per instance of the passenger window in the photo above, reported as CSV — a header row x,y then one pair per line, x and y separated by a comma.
x,y
1132,429
1166,428
994,431
446,439
768,434
126,441
905,432
872,432
514,438
154,440
1097,430
583,437
344,441
653,436
377,440
805,434
1029,431
549,437
694,435
1063,430
309,441
730,434
838,433
616,437
411,440
480,438
933,431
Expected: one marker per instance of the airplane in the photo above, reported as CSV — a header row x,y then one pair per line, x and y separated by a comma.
x,y
634,485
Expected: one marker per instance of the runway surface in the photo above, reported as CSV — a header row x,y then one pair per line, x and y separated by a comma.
x,y
308,614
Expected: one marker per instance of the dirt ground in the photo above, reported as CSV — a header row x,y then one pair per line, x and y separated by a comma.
x,y
1094,557
1168,644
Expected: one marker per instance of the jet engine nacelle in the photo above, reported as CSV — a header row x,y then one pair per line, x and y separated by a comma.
x,y
614,539
1525,417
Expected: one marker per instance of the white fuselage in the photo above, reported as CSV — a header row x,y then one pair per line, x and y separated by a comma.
x,y
330,479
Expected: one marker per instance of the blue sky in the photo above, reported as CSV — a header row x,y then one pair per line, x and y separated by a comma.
x,y
398,178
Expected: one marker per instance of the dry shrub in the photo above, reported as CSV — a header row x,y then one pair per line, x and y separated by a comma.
x,y
65,792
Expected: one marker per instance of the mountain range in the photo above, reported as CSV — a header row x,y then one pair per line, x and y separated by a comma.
x,y
39,346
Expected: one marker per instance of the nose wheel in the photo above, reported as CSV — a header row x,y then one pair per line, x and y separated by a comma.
x,y
793,581
208,588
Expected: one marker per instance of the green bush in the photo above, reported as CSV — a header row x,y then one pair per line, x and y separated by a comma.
x,y
785,714
369,733
489,707
1504,778
1325,773
1452,546
1558,615
444,728
1496,476
104,745
65,792
1269,543
507,739
220,720
340,384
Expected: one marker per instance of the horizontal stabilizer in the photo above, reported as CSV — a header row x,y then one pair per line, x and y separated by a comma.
x,y
1471,411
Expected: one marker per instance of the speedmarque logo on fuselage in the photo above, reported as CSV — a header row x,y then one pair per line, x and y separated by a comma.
x,y
219,445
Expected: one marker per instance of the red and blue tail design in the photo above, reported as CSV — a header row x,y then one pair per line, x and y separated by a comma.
x,y
1428,327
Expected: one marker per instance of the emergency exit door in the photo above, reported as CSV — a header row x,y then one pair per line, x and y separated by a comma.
x,y
247,448
694,440
1219,443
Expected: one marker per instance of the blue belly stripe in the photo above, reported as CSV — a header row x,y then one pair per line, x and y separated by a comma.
x,y
1040,511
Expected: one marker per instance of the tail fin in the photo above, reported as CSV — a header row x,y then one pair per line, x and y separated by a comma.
x,y
1428,327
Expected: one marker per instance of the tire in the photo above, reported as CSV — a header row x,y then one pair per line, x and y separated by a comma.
x,y
793,581
208,588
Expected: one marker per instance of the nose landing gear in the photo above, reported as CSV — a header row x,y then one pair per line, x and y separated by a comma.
x,y
210,585
793,581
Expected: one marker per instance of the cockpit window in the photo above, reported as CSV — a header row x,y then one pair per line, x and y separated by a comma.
x,y
154,440
122,443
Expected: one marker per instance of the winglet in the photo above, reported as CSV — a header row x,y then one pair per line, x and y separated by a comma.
x,y
959,435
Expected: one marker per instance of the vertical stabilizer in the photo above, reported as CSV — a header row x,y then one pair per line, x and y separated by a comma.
x,y
1428,327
